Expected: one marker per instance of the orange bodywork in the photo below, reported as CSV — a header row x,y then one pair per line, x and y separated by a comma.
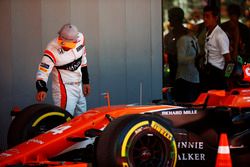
x,y
56,140
53,142
236,98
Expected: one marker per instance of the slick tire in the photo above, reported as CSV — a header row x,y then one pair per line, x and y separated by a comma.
x,y
137,141
34,120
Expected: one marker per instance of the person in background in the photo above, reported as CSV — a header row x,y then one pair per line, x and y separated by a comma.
x,y
65,58
245,4
201,36
238,33
216,51
187,76
181,47
176,16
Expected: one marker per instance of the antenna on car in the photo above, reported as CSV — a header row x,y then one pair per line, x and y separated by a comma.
x,y
141,86
107,97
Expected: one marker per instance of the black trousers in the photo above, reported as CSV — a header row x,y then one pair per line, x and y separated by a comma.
x,y
213,78
185,91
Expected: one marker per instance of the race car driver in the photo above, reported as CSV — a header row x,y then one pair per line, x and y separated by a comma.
x,y
65,57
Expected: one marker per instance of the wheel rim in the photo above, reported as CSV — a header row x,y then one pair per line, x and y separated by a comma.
x,y
148,150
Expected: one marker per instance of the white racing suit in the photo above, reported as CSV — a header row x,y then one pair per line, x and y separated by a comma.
x,y
69,72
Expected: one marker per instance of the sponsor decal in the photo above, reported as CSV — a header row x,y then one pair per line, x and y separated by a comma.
x,y
71,66
44,65
59,130
34,141
60,51
79,48
10,153
164,132
245,91
191,157
195,151
5,155
138,130
180,112
43,69
39,75
247,71
192,145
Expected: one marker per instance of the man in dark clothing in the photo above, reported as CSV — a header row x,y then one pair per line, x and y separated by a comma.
x,y
176,16
238,34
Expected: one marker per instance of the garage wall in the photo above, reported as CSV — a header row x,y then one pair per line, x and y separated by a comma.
x,y
5,68
124,48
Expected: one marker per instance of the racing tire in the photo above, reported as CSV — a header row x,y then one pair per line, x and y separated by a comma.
x,y
34,120
137,141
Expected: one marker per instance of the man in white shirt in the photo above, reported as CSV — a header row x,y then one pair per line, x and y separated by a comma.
x,y
216,50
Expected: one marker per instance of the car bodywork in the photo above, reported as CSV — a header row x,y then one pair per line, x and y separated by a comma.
x,y
193,130
58,139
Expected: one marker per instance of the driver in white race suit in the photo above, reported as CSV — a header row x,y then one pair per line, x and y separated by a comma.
x,y
65,57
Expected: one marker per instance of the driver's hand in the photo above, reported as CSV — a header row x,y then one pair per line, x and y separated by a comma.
x,y
86,89
41,96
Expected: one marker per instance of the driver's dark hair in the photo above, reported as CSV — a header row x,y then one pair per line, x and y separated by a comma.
x,y
213,9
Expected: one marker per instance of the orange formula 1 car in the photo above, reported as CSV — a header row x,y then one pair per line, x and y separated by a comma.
x,y
132,136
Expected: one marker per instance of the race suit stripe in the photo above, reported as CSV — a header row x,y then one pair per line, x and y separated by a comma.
x,y
84,59
50,55
49,58
62,91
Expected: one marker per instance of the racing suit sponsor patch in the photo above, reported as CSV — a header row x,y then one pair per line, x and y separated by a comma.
x,y
44,65
43,69
71,66
79,48
60,51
